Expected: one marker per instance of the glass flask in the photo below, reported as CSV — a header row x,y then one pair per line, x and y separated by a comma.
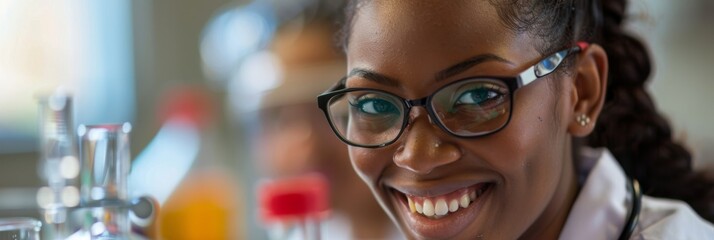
x,y
58,165
105,164
20,228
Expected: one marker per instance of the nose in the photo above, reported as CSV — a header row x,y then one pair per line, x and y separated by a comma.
x,y
422,148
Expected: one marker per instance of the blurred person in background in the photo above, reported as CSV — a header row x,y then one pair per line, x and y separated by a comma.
x,y
295,138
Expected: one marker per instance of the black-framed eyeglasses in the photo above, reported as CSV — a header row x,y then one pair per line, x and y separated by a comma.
x,y
468,108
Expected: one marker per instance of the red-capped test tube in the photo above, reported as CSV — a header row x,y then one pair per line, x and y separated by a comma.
x,y
294,207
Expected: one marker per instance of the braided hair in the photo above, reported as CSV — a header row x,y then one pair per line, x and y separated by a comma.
x,y
630,125
632,128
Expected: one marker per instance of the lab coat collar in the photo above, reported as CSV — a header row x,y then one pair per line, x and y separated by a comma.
x,y
601,206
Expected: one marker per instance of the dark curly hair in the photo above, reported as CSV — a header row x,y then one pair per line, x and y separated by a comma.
x,y
632,128
630,125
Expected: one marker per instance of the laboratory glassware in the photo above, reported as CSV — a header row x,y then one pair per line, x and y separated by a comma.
x,y
105,164
20,228
58,164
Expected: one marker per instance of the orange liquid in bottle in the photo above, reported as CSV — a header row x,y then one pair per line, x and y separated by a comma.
x,y
204,206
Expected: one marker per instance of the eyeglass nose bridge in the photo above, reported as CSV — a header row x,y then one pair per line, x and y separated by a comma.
x,y
417,102
421,102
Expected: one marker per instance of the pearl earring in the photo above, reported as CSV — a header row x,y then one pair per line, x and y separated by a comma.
x,y
583,119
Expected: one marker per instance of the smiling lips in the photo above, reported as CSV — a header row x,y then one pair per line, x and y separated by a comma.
x,y
439,206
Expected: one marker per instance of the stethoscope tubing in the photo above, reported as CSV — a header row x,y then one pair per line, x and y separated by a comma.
x,y
633,217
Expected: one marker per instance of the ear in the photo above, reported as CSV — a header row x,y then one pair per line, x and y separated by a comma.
x,y
589,92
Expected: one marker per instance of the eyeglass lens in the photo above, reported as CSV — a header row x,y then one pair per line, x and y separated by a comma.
x,y
466,108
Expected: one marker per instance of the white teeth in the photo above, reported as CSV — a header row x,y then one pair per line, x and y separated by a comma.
x,y
453,205
438,207
441,208
428,208
412,208
464,201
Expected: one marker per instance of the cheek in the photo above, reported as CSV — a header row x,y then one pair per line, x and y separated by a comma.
x,y
538,142
369,163
525,137
527,153
527,156
535,129
524,151
544,136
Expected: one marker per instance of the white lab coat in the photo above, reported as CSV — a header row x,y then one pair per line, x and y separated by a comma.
x,y
601,208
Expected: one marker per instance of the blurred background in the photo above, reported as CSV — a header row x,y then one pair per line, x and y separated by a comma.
x,y
152,62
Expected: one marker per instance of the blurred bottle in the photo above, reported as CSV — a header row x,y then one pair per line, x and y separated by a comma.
x,y
205,205
294,207
58,164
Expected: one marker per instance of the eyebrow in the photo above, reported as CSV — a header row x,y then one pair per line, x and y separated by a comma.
x,y
467,64
372,76
441,75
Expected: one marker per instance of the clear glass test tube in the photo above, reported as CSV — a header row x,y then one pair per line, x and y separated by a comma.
x,y
105,161
58,164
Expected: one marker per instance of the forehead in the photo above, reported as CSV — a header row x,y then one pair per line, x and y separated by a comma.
x,y
426,35
395,20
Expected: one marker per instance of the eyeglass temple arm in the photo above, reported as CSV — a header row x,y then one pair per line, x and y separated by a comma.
x,y
529,75
526,76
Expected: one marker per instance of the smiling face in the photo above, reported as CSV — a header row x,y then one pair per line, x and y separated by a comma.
x,y
518,182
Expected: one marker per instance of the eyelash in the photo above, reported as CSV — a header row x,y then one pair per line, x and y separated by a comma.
x,y
500,91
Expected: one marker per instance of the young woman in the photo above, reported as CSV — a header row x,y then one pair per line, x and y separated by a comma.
x,y
481,120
